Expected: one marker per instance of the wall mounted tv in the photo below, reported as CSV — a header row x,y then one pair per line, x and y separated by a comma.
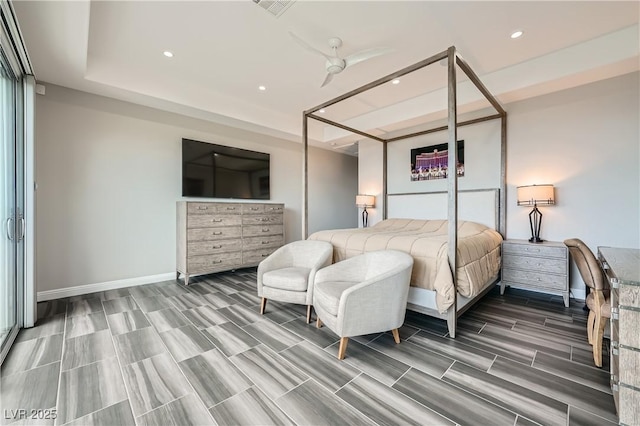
x,y
217,171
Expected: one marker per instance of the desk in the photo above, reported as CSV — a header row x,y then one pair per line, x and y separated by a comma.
x,y
622,269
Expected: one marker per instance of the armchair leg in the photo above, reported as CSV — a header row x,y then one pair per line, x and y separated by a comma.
x,y
343,347
309,314
318,322
396,335
263,304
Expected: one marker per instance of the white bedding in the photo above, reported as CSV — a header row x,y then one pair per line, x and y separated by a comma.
x,y
478,257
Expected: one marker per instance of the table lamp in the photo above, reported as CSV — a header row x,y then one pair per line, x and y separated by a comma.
x,y
365,201
534,195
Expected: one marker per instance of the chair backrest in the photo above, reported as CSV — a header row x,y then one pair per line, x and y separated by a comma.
x,y
587,263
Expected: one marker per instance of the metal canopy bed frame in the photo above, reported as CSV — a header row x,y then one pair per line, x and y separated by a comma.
x,y
453,58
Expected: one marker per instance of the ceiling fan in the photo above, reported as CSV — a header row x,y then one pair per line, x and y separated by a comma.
x,y
335,64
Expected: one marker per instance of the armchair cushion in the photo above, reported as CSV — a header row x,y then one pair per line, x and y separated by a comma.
x,y
292,278
328,294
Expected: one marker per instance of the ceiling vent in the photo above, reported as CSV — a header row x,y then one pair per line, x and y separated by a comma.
x,y
275,7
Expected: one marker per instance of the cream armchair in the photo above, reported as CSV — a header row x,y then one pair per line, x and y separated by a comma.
x,y
287,274
364,294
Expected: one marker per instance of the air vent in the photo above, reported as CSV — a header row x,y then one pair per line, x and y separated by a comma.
x,y
275,7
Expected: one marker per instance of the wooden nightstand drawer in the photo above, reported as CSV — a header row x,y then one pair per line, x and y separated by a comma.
x,y
535,250
557,266
535,279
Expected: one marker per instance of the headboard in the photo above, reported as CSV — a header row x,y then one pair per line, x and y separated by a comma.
x,y
477,205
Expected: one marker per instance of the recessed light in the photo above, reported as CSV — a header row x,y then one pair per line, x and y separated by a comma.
x,y
396,81
262,88
168,54
516,34
321,111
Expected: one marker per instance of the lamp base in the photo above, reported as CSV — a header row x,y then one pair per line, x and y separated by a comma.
x,y
535,221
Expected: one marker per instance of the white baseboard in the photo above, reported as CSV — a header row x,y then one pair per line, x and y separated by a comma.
x,y
108,285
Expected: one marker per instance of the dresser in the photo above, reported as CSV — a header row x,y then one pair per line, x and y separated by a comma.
x,y
215,236
622,269
536,266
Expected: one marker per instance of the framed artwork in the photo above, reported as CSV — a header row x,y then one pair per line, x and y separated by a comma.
x,y
431,162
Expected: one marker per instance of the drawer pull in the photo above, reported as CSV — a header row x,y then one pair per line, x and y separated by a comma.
x,y
231,208
265,229
265,219
216,247
216,220
265,242
217,261
264,255
533,250
217,233
203,208
253,208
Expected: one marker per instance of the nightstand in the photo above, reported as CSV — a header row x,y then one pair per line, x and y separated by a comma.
x,y
536,266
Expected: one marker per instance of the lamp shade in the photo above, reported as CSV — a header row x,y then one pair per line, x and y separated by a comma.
x,y
365,200
530,195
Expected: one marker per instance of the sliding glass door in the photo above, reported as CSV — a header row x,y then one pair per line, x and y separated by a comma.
x,y
12,221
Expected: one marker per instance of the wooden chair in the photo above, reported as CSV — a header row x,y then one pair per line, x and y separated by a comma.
x,y
598,297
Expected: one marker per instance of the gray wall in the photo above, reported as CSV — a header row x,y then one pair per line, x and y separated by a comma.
x,y
584,141
109,175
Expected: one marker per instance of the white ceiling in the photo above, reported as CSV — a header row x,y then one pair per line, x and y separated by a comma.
x,y
223,50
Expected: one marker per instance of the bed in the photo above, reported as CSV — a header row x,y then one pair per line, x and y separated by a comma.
x,y
426,241
434,239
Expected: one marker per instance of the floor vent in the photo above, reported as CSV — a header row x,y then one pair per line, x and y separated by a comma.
x,y
274,7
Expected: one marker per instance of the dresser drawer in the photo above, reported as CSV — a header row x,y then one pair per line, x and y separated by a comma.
x,y
534,250
252,208
259,219
214,234
267,229
274,208
213,247
267,241
251,257
534,279
210,262
213,220
558,266
213,208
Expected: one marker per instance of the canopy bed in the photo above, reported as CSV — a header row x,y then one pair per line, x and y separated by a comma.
x,y
451,240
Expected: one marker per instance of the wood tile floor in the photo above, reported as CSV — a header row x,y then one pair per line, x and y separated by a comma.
x,y
167,354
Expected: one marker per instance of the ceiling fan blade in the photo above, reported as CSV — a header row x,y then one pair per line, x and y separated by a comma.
x,y
307,46
327,80
366,54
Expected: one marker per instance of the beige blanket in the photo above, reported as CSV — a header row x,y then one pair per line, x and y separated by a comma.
x,y
478,257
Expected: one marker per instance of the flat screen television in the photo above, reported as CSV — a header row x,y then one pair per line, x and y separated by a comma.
x,y
217,171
